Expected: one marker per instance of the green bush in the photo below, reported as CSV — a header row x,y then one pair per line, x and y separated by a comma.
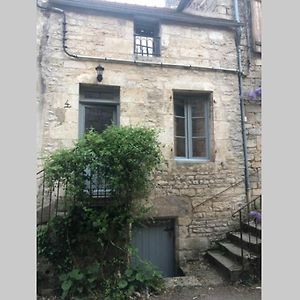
x,y
126,155
90,247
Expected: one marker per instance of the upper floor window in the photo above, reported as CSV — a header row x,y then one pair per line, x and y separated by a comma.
x,y
146,38
192,132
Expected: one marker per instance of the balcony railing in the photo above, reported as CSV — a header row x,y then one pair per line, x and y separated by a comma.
x,y
55,199
146,46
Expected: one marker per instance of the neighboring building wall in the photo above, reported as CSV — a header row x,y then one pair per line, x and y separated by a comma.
x,y
252,64
211,8
146,98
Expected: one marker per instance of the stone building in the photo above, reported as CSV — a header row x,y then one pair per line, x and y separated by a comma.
x,y
175,69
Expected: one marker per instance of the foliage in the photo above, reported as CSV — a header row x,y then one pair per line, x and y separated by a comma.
x,y
90,247
80,282
134,279
126,156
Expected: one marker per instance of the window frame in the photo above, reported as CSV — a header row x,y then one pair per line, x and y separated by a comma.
x,y
87,101
186,98
99,192
156,38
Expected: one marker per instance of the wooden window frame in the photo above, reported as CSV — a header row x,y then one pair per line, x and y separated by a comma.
x,y
186,99
101,101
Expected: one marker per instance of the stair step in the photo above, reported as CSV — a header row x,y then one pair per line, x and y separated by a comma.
x,y
252,224
249,241
247,237
232,268
235,250
251,227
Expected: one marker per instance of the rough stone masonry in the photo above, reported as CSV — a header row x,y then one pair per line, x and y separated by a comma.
x,y
183,190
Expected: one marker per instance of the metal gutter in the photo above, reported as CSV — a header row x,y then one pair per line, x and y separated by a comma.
x,y
129,10
123,61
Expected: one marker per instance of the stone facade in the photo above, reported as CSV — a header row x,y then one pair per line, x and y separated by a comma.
x,y
211,8
184,190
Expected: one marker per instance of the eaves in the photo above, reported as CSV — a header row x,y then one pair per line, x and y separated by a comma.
x,y
132,11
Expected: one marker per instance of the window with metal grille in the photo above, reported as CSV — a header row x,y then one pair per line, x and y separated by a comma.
x,y
192,132
146,38
98,108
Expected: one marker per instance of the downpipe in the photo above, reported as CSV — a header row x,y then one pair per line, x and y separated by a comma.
x,y
242,105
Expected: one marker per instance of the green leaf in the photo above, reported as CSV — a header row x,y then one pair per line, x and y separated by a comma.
x,y
122,284
139,277
66,285
94,268
75,274
128,272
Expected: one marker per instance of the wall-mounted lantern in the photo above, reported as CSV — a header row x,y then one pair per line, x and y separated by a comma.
x,y
99,70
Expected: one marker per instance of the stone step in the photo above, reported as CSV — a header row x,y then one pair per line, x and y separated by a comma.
x,y
234,251
250,241
230,267
255,229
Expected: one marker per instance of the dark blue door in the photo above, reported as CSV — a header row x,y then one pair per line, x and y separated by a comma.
x,y
155,242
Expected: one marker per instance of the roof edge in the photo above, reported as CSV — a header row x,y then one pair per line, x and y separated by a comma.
x,y
130,10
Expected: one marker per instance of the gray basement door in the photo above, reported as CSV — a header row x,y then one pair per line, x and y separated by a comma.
x,y
155,243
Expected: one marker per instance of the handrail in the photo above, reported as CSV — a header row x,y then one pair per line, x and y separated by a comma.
x,y
245,220
39,172
216,195
246,205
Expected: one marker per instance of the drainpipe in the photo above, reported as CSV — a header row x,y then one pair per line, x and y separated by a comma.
x,y
242,106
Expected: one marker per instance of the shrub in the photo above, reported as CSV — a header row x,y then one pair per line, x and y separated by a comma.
x,y
89,247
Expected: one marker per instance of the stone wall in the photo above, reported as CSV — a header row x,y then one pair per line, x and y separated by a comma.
x,y
211,8
252,65
183,190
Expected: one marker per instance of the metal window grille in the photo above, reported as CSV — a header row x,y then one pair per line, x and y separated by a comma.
x,y
146,38
146,46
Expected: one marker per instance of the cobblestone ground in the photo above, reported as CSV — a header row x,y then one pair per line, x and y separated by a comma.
x,y
211,293
204,293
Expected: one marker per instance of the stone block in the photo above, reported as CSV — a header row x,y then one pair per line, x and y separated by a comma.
x,y
194,243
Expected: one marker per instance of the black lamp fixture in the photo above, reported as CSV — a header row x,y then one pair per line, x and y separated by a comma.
x,y
99,70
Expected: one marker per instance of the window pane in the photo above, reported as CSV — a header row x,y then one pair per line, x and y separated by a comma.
x,y
99,117
180,127
198,127
198,108
180,147
179,109
199,147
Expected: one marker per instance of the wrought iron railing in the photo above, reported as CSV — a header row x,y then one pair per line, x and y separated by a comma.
x,y
250,214
146,46
55,198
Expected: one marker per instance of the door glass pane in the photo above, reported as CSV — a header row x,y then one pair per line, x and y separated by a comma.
x,y
180,147
199,147
179,109
198,127
198,108
180,126
99,117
